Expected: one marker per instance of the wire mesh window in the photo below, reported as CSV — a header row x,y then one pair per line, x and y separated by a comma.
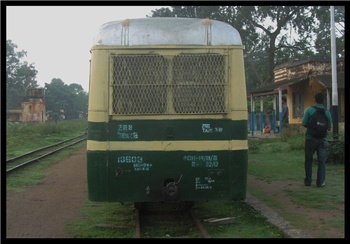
x,y
155,84
199,83
139,84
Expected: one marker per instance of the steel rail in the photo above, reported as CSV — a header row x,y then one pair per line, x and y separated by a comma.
x,y
137,223
41,149
199,225
196,220
42,156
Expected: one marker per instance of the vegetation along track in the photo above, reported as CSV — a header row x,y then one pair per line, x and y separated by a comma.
x,y
23,160
169,220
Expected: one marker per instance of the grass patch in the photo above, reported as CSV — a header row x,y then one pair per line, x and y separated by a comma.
x,y
34,174
248,223
35,135
118,221
270,166
104,220
286,163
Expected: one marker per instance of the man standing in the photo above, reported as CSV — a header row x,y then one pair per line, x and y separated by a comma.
x,y
285,111
316,143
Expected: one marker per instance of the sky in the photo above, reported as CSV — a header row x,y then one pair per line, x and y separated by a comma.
x,y
58,39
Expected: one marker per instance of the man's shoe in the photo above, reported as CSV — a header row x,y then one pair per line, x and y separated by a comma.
x,y
307,183
323,185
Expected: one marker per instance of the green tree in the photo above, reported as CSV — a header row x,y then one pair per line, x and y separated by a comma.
x,y
65,100
323,37
269,30
271,34
19,76
56,94
78,101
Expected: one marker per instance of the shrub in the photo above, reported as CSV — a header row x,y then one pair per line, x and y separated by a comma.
x,y
336,152
297,142
253,145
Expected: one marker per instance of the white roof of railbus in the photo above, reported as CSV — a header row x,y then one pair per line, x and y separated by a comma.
x,y
167,31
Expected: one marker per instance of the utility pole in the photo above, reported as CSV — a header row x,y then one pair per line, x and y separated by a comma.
x,y
334,78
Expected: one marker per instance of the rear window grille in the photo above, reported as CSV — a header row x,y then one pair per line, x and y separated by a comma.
x,y
155,84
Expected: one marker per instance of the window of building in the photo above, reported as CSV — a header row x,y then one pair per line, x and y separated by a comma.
x,y
298,105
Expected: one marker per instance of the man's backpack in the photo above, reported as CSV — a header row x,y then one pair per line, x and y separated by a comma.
x,y
318,125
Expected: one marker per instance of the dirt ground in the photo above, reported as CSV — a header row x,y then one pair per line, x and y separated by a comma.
x,y
43,210
316,217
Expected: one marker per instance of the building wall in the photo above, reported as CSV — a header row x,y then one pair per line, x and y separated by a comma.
x,y
33,111
13,115
281,74
314,68
309,89
291,71
297,88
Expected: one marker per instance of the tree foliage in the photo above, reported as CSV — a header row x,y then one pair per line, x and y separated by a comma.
x,y
60,99
68,100
271,34
323,36
19,76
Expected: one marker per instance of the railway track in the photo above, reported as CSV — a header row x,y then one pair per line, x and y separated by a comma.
x,y
19,162
170,220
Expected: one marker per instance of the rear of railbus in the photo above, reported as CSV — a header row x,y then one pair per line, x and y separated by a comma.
x,y
167,116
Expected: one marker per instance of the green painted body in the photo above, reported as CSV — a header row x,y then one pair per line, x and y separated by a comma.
x,y
142,175
158,130
136,176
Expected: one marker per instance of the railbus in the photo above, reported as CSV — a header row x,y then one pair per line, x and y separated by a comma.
x,y
167,112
